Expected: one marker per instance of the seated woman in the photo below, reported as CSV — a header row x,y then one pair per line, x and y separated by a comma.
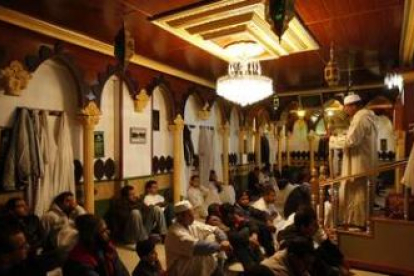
x,y
94,254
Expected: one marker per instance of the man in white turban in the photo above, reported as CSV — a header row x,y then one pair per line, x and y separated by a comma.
x,y
360,156
188,247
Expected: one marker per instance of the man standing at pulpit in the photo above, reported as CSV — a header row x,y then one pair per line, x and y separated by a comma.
x,y
360,156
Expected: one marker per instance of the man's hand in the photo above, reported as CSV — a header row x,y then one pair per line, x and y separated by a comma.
x,y
226,246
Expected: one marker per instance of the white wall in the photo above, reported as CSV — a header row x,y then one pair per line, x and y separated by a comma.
x,y
385,131
299,137
136,157
51,87
109,120
163,139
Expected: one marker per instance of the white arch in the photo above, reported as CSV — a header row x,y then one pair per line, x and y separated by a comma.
x,y
163,142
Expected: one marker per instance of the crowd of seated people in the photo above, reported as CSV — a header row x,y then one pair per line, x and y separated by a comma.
x,y
273,233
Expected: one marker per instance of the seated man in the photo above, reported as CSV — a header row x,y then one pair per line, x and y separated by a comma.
x,y
59,221
244,238
254,185
94,253
17,212
130,220
188,250
149,264
305,225
296,259
260,218
197,195
14,254
266,203
329,258
163,210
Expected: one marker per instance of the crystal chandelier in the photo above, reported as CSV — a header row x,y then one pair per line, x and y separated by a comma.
x,y
244,83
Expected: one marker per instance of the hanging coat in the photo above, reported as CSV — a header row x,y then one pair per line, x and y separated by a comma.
x,y
44,191
63,173
188,146
22,160
360,155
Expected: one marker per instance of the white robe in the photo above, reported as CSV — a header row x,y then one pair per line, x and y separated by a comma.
x,y
44,190
63,173
197,196
179,248
408,179
360,155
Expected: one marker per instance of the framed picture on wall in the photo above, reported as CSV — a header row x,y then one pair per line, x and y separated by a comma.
x,y
137,135
156,120
99,144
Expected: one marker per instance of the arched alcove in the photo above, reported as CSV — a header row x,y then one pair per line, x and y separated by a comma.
x,y
162,137
108,128
52,87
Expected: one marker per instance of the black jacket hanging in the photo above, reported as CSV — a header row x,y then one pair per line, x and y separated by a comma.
x,y
188,146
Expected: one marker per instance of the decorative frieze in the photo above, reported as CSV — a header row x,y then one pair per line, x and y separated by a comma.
x,y
14,78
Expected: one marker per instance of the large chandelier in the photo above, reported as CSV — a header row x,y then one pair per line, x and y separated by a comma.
x,y
244,83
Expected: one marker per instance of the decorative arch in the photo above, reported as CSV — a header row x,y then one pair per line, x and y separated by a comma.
x,y
197,96
124,76
258,112
32,62
164,87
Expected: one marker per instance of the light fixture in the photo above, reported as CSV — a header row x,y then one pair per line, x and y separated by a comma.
x,y
244,49
213,25
301,113
394,80
314,118
332,73
244,83
330,113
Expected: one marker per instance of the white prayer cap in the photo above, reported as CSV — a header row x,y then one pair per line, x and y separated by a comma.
x,y
182,206
350,99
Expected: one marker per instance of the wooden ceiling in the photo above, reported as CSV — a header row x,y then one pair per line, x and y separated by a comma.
x,y
366,34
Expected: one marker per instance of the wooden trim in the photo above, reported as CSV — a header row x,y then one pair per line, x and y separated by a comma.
x,y
339,89
42,27
392,221
381,268
407,34
383,168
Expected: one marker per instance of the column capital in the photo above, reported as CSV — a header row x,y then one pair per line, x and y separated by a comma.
x,y
311,137
178,123
141,100
90,114
204,113
225,129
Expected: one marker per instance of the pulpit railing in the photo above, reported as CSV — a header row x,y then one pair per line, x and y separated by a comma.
x,y
321,182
